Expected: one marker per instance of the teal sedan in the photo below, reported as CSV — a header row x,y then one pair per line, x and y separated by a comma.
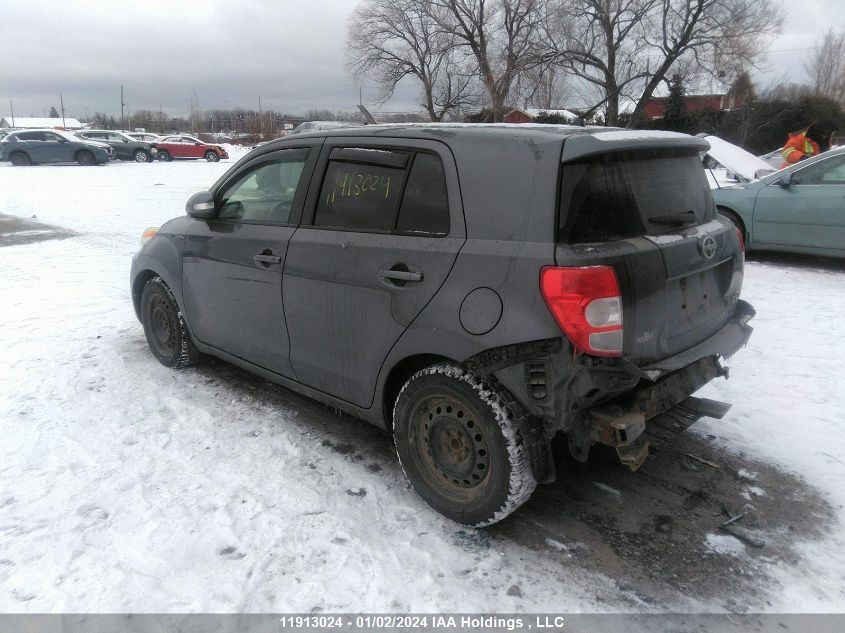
x,y
800,209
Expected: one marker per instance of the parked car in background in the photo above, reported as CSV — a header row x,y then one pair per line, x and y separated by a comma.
x,y
320,126
774,158
147,137
728,164
125,147
800,209
463,288
182,146
32,147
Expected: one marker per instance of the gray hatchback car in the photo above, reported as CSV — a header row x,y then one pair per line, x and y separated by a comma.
x,y
473,290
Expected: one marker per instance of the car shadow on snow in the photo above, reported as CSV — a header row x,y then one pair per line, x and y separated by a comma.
x,y
656,531
796,261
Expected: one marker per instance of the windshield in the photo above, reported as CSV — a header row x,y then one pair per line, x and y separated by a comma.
x,y
618,195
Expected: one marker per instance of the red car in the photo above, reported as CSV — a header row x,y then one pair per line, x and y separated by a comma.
x,y
182,146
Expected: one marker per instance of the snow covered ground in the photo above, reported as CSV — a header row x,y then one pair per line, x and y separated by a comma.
x,y
125,486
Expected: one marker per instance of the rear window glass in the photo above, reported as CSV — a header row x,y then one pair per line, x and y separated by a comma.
x,y
618,195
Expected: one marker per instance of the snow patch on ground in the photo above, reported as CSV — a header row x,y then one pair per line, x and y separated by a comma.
x,y
725,544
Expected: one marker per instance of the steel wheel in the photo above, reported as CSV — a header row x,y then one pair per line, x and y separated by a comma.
x,y
141,156
211,157
456,453
459,442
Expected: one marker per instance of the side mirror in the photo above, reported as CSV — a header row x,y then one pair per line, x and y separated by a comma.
x,y
200,205
785,180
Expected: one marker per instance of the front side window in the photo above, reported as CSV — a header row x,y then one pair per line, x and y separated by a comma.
x,y
825,172
265,193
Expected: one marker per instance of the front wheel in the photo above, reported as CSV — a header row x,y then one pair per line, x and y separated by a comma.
x,y
212,157
165,329
458,440
141,156
86,158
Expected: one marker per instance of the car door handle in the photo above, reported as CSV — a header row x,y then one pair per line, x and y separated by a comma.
x,y
267,258
400,275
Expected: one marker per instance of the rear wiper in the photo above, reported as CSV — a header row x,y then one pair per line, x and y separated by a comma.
x,y
675,219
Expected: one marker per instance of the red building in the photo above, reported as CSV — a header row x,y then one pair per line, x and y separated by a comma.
x,y
656,106
527,115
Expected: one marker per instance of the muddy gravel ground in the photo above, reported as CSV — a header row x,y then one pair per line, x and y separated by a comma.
x,y
650,530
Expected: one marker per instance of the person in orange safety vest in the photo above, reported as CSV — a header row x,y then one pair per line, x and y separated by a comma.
x,y
809,142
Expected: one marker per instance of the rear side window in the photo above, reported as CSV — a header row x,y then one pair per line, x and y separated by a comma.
x,y
619,195
384,191
425,205
30,136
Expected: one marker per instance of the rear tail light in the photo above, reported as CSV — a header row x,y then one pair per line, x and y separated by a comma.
x,y
587,305
148,234
741,241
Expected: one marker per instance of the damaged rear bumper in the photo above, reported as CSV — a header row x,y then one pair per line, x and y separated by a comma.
x,y
667,385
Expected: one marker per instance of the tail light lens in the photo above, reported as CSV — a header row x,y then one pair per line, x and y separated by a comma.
x,y
587,305
741,241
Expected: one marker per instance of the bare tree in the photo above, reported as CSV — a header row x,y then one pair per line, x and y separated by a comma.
x,y
629,47
601,42
394,39
501,35
543,87
827,66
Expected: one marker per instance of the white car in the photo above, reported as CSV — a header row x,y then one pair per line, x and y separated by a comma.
x,y
727,164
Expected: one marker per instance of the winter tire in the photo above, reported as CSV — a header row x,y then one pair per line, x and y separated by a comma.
x,y
85,158
164,156
211,157
141,156
458,440
164,327
19,159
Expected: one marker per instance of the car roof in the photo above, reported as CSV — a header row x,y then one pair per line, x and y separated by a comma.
x,y
580,140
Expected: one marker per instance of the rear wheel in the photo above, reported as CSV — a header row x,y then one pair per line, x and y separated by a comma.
x,y
164,155
19,159
85,158
212,157
141,156
736,221
458,440
165,329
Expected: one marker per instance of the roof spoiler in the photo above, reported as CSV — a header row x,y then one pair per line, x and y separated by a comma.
x,y
581,145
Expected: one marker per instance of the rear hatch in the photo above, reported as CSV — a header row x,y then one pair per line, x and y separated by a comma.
x,y
642,205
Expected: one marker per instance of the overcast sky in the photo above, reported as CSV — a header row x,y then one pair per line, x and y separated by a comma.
x,y
291,53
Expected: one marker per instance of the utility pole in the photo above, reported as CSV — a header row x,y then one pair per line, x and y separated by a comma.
x,y
12,107
62,104
122,105
161,118
260,119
